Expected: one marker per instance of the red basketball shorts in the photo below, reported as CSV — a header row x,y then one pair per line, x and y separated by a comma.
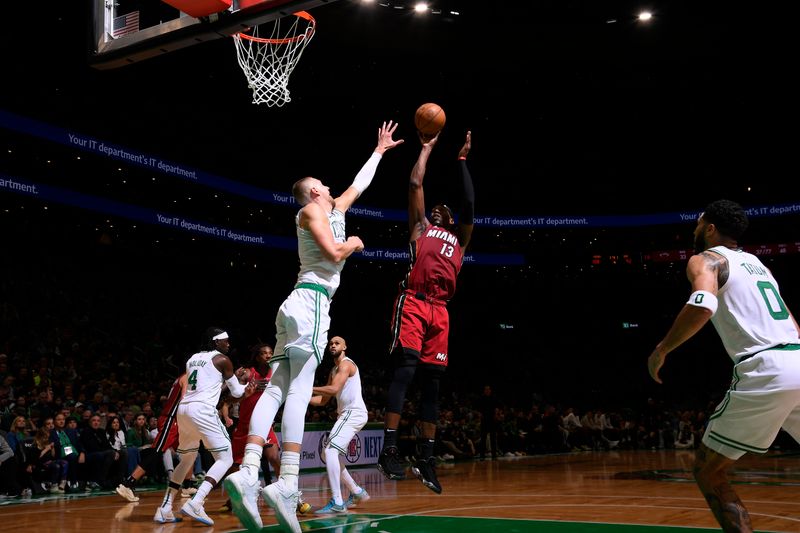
x,y
239,438
167,436
422,326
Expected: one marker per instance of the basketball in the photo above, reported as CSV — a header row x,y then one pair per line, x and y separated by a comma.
x,y
429,118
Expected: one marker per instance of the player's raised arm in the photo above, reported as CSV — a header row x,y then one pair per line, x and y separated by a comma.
x,y
367,172
466,217
417,221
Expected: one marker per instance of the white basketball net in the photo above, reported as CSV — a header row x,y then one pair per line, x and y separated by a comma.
x,y
268,59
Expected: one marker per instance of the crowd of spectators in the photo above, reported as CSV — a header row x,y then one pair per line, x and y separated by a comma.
x,y
61,431
55,440
81,389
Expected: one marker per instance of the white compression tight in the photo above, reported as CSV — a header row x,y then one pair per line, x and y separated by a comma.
x,y
348,479
166,458
334,474
223,460
292,381
334,464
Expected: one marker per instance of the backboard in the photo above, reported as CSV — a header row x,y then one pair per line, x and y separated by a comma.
x,y
127,31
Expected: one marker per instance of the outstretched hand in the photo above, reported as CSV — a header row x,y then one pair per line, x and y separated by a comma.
x,y
428,140
467,146
385,133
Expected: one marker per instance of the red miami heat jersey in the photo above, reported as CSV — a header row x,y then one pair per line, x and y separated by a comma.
x,y
248,404
246,408
174,398
436,259
167,436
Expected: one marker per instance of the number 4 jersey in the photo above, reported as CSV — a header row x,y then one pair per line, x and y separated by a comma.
x,y
751,316
436,258
204,381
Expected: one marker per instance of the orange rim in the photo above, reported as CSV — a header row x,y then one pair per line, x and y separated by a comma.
x,y
301,14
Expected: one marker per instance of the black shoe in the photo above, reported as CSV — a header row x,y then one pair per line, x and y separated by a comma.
x,y
425,470
389,464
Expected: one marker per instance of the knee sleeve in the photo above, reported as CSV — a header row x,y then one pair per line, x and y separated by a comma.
x,y
429,410
405,366
223,460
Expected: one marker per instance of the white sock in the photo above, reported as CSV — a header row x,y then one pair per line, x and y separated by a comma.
x,y
290,469
202,491
251,463
169,497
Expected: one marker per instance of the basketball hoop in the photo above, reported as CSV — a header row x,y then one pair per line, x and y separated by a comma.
x,y
267,62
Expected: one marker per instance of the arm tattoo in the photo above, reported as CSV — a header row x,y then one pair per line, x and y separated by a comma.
x,y
719,264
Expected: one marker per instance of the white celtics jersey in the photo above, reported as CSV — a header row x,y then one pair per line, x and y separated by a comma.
x,y
314,266
751,315
350,395
204,381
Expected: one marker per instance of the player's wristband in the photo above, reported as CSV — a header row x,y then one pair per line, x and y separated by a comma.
x,y
704,299
462,158
236,388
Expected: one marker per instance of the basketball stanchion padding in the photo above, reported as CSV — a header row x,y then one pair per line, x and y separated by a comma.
x,y
269,54
199,8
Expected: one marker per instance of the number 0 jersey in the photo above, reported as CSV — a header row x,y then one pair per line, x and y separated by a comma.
x,y
436,258
751,315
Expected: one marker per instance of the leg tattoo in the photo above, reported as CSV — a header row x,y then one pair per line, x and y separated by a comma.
x,y
710,473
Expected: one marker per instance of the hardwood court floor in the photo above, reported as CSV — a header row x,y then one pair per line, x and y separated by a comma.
x,y
604,492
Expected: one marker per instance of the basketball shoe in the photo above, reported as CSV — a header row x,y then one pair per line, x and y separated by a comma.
x,y
196,511
165,516
425,470
389,464
242,489
357,497
127,492
284,501
332,508
303,507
